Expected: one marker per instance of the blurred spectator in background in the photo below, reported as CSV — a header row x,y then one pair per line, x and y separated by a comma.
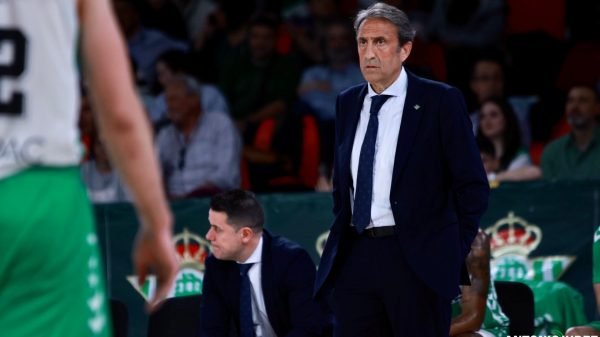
x,y
223,38
488,81
145,45
102,181
164,16
260,84
199,152
576,155
463,27
491,164
309,29
196,14
176,63
86,125
498,125
321,84
466,23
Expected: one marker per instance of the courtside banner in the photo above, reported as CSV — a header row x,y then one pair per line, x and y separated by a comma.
x,y
542,234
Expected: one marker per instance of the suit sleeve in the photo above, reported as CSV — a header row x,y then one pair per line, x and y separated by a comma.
x,y
214,316
469,185
335,179
308,319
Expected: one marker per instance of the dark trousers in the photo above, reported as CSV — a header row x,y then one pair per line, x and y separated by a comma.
x,y
376,294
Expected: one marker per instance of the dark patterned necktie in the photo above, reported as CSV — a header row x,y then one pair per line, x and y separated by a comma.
x,y
246,321
361,216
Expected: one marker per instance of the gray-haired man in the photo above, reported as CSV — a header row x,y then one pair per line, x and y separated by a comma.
x,y
409,189
200,151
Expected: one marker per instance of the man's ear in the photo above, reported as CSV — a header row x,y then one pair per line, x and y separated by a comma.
x,y
405,50
246,233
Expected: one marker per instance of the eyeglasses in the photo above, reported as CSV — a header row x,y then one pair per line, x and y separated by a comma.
x,y
182,153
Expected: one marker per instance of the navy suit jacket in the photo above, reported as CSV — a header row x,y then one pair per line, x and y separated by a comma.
x,y
288,275
439,189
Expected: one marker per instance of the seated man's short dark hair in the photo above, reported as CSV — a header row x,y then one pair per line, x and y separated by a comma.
x,y
242,209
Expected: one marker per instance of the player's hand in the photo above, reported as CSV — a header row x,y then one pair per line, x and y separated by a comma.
x,y
154,252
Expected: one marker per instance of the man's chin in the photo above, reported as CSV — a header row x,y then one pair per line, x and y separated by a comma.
x,y
216,253
369,77
578,123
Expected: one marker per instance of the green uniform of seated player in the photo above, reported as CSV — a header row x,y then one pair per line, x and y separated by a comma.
x,y
592,328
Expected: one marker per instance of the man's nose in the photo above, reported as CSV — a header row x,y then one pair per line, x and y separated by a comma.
x,y
369,52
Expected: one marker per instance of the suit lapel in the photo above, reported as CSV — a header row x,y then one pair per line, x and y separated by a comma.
x,y
411,116
353,109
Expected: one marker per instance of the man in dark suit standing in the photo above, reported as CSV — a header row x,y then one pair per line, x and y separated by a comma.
x,y
257,283
409,190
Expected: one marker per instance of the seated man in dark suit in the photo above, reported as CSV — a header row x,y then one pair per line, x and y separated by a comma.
x,y
257,283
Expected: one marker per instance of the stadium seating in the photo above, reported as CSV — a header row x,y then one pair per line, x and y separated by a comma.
x,y
120,318
178,316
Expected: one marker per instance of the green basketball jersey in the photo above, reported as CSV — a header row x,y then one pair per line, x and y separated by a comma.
x,y
596,269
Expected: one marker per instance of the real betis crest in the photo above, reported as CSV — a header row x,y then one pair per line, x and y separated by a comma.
x,y
512,240
192,251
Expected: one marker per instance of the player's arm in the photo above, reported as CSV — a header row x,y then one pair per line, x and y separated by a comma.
x,y
474,297
127,134
471,314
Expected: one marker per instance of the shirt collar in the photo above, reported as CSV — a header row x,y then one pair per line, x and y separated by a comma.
x,y
397,88
256,256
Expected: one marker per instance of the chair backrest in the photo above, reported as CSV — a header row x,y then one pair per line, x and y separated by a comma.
x,y
178,316
264,134
430,57
536,15
308,172
516,301
580,66
120,318
309,165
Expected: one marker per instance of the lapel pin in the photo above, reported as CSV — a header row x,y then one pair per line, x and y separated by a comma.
x,y
417,107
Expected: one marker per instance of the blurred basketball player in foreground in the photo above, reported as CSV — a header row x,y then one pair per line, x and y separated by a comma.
x,y
51,279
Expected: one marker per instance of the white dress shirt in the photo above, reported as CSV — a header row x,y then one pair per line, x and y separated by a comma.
x,y
390,118
262,326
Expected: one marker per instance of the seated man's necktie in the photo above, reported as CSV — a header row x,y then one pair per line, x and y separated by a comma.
x,y
246,321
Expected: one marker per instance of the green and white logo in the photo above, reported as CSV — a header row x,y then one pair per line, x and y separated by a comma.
x,y
192,251
512,240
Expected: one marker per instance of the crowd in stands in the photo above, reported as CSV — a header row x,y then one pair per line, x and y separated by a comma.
x,y
242,93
